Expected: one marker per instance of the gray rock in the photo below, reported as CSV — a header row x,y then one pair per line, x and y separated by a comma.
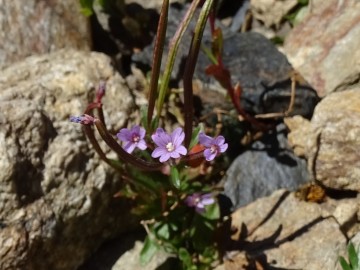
x,y
56,196
267,166
281,232
37,27
327,55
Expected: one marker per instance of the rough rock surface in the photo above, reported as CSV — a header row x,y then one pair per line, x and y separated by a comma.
x,y
37,27
282,232
268,165
324,48
56,196
331,141
271,12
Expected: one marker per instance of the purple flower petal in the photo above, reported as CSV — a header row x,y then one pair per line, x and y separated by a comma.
x,y
164,157
161,138
141,145
129,147
168,146
219,140
177,137
124,135
181,150
207,201
223,147
205,140
199,201
142,133
209,155
213,146
159,151
174,154
132,138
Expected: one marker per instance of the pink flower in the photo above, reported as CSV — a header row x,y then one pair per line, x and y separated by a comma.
x,y
214,146
132,138
199,201
168,146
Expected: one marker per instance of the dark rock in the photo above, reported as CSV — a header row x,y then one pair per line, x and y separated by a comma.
x,y
267,166
253,61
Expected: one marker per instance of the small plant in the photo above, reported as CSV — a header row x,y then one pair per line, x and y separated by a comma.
x,y
354,257
178,208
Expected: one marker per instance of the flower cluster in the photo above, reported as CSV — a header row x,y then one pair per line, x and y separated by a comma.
x,y
169,145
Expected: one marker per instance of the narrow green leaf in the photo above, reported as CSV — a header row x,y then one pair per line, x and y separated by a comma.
x,y
353,257
195,137
174,175
344,264
173,49
148,251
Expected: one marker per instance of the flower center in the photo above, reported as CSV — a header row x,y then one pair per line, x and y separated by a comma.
x,y
135,138
170,147
213,148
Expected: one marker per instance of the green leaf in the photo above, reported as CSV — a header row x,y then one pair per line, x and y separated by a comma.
x,y
163,231
174,175
212,211
148,251
144,179
172,52
185,257
195,137
353,257
87,7
344,264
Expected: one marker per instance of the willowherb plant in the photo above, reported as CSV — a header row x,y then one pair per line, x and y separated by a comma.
x,y
179,212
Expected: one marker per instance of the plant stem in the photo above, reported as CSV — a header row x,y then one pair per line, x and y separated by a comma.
x,y
158,51
190,68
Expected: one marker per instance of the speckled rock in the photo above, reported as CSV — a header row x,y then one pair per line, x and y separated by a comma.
x,y
56,196
271,12
331,141
324,48
38,27
282,232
